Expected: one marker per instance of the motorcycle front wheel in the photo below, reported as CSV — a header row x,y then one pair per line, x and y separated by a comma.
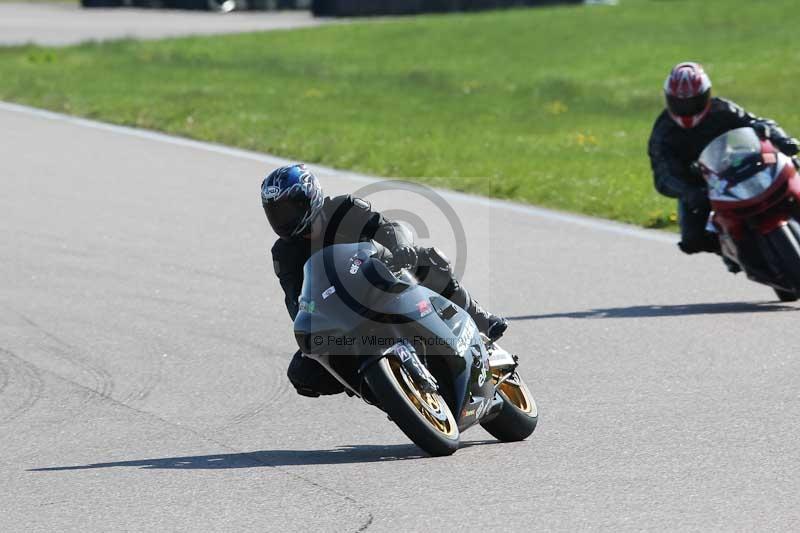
x,y
519,415
785,244
424,417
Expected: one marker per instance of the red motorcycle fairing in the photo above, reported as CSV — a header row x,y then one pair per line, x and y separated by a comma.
x,y
731,216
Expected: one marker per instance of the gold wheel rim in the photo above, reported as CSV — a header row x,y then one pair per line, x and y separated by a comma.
x,y
517,393
431,406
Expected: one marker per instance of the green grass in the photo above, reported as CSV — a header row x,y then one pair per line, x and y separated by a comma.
x,y
551,106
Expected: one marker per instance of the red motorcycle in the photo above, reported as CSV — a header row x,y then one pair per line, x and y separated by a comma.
x,y
755,191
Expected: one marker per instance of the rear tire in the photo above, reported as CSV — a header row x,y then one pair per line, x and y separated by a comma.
x,y
519,415
397,396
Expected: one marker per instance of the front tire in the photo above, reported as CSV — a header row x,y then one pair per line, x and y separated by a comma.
x,y
519,415
424,418
785,244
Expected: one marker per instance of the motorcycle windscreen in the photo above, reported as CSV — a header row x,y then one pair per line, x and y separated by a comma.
x,y
736,169
731,151
751,187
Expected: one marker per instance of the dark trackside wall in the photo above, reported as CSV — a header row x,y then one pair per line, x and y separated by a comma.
x,y
355,8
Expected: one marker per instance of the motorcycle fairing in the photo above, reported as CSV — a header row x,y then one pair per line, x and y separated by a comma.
x,y
754,191
358,297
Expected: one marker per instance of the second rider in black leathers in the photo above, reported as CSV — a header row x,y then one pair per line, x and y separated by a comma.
x,y
306,221
691,120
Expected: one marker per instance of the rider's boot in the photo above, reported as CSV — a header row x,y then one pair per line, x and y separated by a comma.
x,y
733,268
705,241
489,324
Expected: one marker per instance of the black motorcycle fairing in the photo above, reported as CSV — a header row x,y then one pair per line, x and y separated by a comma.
x,y
456,355
358,296
337,283
352,306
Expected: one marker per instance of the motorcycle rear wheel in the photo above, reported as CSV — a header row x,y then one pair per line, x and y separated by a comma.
x,y
518,418
425,418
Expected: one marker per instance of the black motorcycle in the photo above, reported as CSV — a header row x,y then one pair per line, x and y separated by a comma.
x,y
409,351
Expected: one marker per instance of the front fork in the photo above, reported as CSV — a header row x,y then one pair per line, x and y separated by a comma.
x,y
483,409
404,352
477,407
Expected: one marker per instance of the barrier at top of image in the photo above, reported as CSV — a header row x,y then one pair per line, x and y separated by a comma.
x,y
351,8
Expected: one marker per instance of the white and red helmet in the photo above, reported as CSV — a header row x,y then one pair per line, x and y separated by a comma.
x,y
688,94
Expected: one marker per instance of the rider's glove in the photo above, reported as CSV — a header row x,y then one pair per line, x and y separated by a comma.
x,y
696,199
433,257
788,145
404,257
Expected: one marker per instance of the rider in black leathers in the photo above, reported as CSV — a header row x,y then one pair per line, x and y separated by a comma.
x,y
690,122
306,221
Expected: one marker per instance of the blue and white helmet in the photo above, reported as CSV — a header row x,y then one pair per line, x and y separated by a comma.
x,y
292,198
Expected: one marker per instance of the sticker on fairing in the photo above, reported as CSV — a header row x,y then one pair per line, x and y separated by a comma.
x,y
308,306
327,292
424,308
465,338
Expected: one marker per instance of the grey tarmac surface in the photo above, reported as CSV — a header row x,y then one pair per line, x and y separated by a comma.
x,y
68,23
143,344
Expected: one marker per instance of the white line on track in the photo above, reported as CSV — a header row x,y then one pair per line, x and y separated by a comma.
x,y
537,212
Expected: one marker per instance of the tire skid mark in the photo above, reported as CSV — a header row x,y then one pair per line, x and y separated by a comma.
x,y
19,371
254,456
153,349
3,377
206,273
103,382
366,524
279,390
157,298
276,389
151,381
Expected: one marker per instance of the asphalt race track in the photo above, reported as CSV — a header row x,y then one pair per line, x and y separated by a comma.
x,y
143,345
68,23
